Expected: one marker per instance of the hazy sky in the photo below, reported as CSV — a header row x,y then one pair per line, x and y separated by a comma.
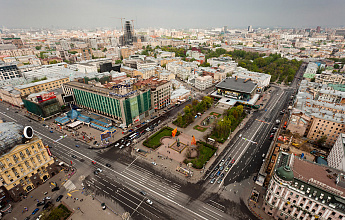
x,y
172,13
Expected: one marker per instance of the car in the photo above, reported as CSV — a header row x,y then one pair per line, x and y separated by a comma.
x,y
228,159
143,193
222,175
40,203
233,161
216,168
154,163
35,211
263,155
230,165
138,126
122,146
130,130
212,180
95,142
93,162
76,145
128,144
73,156
220,180
44,125
226,169
221,168
117,144
99,170
47,198
103,206
46,205
212,175
45,193
218,173
226,163
16,111
240,135
96,172
56,188
59,198
29,120
51,131
149,202
108,165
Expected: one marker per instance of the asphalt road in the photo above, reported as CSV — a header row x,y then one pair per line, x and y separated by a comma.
x,y
129,177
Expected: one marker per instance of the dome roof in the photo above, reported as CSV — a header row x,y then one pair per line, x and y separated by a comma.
x,y
285,173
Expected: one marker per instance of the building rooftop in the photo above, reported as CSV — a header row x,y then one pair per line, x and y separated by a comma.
x,y
240,85
38,83
11,134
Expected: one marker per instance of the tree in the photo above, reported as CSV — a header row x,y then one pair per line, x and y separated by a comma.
x,y
118,61
38,47
104,50
312,79
336,66
320,142
164,65
53,62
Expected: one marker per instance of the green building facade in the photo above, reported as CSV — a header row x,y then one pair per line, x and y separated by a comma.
x,y
126,109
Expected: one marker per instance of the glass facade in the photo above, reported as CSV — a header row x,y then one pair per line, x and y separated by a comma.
x,y
136,105
98,102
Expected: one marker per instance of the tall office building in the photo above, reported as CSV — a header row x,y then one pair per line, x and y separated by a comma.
x,y
318,29
128,36
250,28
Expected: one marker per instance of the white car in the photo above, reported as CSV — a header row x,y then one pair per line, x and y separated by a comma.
x,y
99,170
149,202
117,144
154,163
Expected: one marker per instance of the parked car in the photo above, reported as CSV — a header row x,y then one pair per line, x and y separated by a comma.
x,y
108,165
216,168
122,146
51,131
221,168
40,203
222,175
212,175
46,205
226,169
35,211
143,193
95,142
117,144
233,161
220,180
212,180
73,156
99,170
59,198
149,202
218,173
93,162
154,163
47,198
56,188
76,145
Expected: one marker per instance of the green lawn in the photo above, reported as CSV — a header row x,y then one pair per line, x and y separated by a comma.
x,y
58,213
199,128
206,151
154,140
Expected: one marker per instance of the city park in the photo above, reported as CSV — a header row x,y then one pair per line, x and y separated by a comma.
x,y
194,141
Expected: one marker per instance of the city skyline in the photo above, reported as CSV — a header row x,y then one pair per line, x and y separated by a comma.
x,y
192,14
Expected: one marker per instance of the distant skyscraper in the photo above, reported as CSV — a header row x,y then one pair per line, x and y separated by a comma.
x,y
225,29
318,29
128,35
250,28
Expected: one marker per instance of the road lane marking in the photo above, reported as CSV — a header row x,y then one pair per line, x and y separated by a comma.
x,y
129,179
208,214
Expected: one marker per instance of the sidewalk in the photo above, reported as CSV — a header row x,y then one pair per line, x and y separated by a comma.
x,y
169,165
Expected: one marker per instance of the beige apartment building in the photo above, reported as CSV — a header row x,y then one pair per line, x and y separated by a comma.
x,y
326,126
44,85
23,166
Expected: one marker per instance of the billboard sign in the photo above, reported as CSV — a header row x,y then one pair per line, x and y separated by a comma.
x,y
46,97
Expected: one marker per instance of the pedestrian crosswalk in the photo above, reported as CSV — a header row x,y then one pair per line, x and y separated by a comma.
x,y
69,185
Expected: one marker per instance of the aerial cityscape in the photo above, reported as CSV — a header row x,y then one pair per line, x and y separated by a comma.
x,y
182,110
